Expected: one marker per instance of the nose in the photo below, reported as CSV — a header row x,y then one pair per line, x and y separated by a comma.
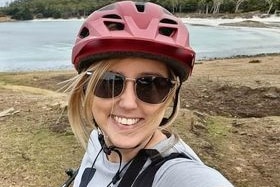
x,y
128,98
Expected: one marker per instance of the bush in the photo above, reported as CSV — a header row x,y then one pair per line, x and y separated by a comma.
x,y
23,14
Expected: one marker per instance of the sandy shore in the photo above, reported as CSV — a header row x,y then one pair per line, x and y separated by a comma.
x,y
6,19
271,21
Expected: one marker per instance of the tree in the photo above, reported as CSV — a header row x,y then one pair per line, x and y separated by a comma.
x,y
238,3
216,6
205,4
23,14
270,3
26,9
175,4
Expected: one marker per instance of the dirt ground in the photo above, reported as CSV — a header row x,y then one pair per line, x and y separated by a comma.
x,y
230,116
245,93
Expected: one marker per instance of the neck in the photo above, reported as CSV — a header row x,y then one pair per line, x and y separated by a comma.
x,y
128,154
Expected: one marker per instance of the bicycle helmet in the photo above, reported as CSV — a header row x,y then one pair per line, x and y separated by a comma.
x,y
129,28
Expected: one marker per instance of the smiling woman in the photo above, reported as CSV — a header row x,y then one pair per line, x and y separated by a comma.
x,y
132,59
128,120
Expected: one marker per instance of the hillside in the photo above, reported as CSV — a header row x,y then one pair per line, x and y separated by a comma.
x,y
230,116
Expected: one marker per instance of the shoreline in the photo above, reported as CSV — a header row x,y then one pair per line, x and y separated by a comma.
x,y
240,56
210,21
271,22
205,19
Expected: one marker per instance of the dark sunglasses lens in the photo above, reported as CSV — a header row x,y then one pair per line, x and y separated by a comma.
x,y
110,85
153,89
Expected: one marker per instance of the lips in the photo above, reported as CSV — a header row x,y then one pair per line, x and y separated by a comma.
x,y
126,121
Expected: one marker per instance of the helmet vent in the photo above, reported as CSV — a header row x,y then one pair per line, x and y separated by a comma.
x,y
112,16
167,31
140,7
114,26
84,33
170,21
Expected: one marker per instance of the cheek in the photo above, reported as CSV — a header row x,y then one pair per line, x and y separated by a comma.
x,y
100,110
154,115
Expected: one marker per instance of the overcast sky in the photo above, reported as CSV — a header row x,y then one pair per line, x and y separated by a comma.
x,y
3,2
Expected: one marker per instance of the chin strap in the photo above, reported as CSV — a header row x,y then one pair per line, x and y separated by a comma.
x,y
108,150
164,121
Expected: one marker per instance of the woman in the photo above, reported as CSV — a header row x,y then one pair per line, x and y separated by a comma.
x,y
132,59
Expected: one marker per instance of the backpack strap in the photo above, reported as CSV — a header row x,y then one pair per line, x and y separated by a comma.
x,y
134,169
146,177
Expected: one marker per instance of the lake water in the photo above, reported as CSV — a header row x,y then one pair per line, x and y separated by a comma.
x,y
43,45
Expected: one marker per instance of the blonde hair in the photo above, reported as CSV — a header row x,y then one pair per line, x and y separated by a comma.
x,y
81,90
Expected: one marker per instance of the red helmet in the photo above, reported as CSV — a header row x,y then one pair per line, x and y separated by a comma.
x,y
129,28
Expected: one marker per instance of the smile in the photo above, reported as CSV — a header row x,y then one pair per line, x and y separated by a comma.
x,y
126,121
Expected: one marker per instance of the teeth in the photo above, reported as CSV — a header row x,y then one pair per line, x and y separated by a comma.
x,y
126,121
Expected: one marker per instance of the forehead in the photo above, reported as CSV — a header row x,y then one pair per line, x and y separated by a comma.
x,y
133,65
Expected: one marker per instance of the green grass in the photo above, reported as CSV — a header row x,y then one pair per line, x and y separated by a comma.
x,y
38,157
32,154
218,128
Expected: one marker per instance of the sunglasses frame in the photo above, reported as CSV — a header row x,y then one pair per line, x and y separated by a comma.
x,y
174,83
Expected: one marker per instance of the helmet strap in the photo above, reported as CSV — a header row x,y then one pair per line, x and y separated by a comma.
x,y
164,121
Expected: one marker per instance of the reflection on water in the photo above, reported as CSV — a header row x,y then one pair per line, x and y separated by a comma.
x,y
35,45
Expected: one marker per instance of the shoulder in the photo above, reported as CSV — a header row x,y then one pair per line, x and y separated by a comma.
x,y
187,172
175,145
179,172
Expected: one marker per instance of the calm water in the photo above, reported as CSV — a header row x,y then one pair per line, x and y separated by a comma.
x,y
41,45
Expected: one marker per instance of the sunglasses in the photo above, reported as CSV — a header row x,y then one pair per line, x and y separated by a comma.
x,y
149,89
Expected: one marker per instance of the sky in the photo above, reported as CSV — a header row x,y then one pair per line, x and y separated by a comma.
x,y
3,2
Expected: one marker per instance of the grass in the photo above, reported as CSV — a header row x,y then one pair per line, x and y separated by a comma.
x,y
37,144
36,155
218,129
32,153
40,79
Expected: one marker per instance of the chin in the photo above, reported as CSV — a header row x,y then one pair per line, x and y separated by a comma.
x,y
126,143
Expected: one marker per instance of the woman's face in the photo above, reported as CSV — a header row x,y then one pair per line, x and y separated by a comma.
x,y
126,120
